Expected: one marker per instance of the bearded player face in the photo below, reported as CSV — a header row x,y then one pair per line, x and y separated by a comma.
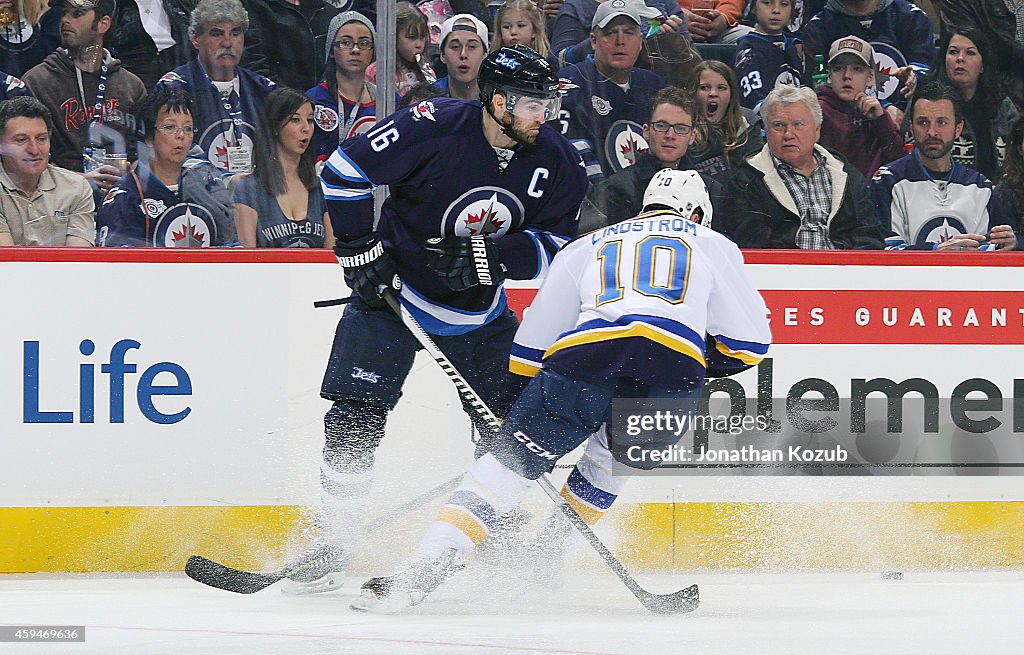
x,y
523,116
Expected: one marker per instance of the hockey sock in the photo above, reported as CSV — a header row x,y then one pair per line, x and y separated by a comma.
x,y
488,490
592,487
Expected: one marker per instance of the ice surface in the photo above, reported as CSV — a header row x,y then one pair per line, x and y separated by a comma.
x,y
926,612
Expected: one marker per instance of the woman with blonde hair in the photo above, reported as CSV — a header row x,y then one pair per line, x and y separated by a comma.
x,y
520,21
29,31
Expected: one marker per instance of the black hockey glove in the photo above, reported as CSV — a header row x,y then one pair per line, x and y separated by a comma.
x,y
367,268
465,262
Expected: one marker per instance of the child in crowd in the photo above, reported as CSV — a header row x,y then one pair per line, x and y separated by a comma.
x,y
726,132
520,21
768,56
281,204
411,67
853,121
344,104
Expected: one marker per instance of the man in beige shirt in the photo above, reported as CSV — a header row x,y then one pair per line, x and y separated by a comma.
x,y
40,204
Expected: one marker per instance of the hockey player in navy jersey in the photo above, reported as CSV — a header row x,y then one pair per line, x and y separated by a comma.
x,y
643,309
928,199
768,56
899,32
480,193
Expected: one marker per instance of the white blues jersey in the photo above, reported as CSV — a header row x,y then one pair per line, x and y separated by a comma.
x,y
446,179
922,212
655,298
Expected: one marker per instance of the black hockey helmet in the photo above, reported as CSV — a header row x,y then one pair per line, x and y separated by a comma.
x,y
518,71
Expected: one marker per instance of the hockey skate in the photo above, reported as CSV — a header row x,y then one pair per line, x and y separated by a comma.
x,y
390,594
318,569
546,555
506,541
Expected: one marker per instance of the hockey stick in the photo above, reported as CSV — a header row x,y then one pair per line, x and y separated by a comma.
x,y
684,600
214,574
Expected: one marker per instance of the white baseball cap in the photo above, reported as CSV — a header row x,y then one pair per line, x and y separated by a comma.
x,y
477,27
610,9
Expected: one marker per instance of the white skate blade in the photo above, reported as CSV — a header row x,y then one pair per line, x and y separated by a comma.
x,y
395,602
326,584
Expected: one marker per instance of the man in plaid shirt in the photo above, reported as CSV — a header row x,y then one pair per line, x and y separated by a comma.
x,y
795,193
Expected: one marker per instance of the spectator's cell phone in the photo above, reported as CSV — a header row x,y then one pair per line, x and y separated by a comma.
x,y
654,25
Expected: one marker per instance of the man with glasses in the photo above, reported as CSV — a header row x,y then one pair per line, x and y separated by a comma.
x,y
481,192
463,48
669,132
168,200
227,96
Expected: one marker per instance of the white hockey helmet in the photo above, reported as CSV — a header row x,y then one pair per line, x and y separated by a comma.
x,y
682,191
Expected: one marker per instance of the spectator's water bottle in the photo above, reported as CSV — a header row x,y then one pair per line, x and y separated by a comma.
x,y
820,76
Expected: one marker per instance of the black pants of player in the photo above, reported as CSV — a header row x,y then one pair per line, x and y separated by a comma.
x,y
372,354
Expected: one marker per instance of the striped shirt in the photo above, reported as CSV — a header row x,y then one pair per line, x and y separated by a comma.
x,y
1016,8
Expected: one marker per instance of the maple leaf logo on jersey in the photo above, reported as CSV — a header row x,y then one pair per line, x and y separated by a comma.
x,y
185,226
188,237
486,222
483,211
632,149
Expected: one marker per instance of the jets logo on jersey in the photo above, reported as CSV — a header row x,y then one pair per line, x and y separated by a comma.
x,y
887,60
939,229
172,77
425,110
113,193
219,136
624,144
601,106
13,83
484,210
185,226
325,118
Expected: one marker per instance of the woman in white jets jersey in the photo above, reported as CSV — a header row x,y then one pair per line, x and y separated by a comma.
x,y
643,309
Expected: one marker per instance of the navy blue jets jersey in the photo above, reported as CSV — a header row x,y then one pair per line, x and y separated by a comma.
x,y
765,61
216,128
141,211
12,87
901,35
445,179
599,117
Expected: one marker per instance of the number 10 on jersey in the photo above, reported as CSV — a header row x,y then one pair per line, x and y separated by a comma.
x,y
661,267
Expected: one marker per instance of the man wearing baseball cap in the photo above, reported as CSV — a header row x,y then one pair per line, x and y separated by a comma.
x,y
570,38
607,100
854,122
463,48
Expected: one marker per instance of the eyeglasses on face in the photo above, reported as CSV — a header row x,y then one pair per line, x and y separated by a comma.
x,y
682,129
346,43
174,130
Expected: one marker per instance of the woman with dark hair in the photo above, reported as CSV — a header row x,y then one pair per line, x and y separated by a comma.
x,y
344,104
1009,193
967,62
281,205
726,132
168,199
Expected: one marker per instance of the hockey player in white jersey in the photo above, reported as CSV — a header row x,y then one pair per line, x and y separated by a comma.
x,y
646,308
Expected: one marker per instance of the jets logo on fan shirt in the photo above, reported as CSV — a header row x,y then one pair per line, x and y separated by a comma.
x,y
482,211
185,226
624,144
940,229
887,60
325,118
219,136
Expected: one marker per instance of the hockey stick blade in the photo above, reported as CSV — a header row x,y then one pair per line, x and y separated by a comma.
x,y
680,602
212,574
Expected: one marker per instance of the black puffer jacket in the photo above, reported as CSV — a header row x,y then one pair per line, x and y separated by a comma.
x,y
286,42
991,17
760,213
134,47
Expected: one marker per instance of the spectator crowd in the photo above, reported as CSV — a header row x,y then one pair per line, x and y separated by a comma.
x,y
838,124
